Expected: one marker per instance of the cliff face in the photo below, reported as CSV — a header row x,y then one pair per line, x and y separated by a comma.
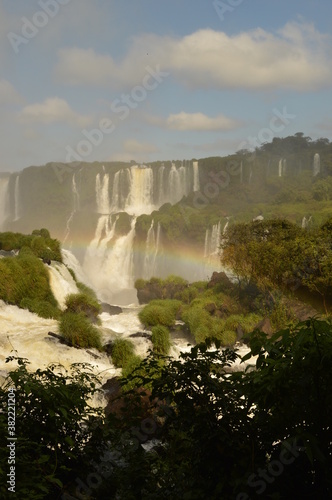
x,y
130,221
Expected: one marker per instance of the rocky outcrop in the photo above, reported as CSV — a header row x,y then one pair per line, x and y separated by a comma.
x,y
111,310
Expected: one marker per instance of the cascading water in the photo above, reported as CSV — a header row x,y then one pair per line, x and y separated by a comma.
x,y
280,168
17,198
140,197
316,165
4,183
102,194
76,207
151,251
284,167
62,283
196,186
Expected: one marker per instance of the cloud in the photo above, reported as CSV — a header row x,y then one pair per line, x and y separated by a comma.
x,y
296,57
53,110
135,147
199,121
8,94
134,150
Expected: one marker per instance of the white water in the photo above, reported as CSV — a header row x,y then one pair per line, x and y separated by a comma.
x,y
280,168
108,262
26,333
4,182
72,262
196,186
316,165
61,282
17,198
212,241
76,207
152,247
140,197
102,194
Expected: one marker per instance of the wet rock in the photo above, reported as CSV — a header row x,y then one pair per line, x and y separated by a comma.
x,y
111,310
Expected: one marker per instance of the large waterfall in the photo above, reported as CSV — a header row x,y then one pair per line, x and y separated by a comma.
x,y
102,194
76,207
108,261
140,189
316,165
17,198
151,251
4,182
196,186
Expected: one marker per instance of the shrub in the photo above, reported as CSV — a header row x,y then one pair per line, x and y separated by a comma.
x,y
122,353
228,338
161,339
25,277
162,312
195,317
86,290
133,362
85,304
77,330
41,307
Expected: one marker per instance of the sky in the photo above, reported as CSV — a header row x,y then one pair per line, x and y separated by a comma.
x,y
146,80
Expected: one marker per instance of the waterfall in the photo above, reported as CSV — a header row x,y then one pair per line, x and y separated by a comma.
x,y
196,176
151,251
61,282
177,181
102,194
108,262
140,197
241,173
116,201
161,188
316,165
118,268
305,222
76,207
4,182
212,240
280,168
17,198
72,262
284,167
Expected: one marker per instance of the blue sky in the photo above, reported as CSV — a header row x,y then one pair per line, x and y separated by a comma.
x,y
149,80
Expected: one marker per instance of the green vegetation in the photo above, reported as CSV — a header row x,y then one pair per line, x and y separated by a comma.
x,y
220,434
160,339
123,354
40,242
77,329
24,281
55,426
277,256
160,312
85,304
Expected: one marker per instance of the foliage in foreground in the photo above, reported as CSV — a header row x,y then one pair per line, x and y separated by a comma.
x,y
55,426
264,433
